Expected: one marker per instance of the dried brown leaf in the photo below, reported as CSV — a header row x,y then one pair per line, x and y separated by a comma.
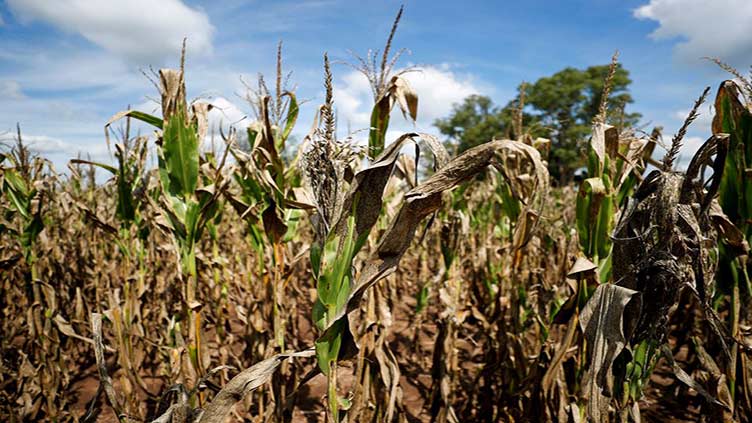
x,y
602,322
244,383
104,378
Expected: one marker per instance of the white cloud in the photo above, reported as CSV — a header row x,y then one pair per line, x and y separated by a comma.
x,y
717,28
10,90
690,145
50,146
353,100
143,31
44,144
438,89
226,113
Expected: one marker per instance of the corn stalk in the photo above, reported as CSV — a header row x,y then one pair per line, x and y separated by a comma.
x,y
186,207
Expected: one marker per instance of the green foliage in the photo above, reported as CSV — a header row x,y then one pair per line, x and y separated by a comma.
x,y
19,184
187,209
735,192
566,104
129,177
734,117
475,121
560,107
332,267
179,155
21,195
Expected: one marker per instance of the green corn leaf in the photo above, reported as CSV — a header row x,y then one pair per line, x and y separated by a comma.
x,y
735,190
735,119
379,125
191,220
605,221
328,346
293,218
316,255
512,207
16,182
20,203
292,117
31,233
143,117
319,314
180,150
103,166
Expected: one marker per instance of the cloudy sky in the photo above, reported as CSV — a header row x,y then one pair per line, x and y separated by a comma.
x,y
66,66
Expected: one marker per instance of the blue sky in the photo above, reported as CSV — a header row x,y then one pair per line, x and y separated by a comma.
x,y
67,66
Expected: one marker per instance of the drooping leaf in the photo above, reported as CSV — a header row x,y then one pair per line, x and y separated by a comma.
x,y
292,116
530,177
602,322
244,383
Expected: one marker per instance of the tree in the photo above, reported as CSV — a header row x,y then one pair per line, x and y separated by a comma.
x,y
560,107
474,121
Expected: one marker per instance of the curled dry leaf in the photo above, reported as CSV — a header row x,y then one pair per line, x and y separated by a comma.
x,y
172,91
519,163
661,238
245,382
104,378
686,379
602,322
368,185
67,329
390,374
727,231
406,97
581,266
604,140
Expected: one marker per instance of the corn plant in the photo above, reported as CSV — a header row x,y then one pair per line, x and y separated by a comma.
x,y
616,162
186,207
344,218
267,183
266,200
27,189
733,107
130,179
20,175
656,249
615,165
388,87
22,185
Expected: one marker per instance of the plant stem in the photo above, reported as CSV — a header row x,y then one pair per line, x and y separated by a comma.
x,y
734,317
333,415
279,263
188,267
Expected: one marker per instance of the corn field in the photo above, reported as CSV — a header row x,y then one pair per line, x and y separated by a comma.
x,y
375,279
